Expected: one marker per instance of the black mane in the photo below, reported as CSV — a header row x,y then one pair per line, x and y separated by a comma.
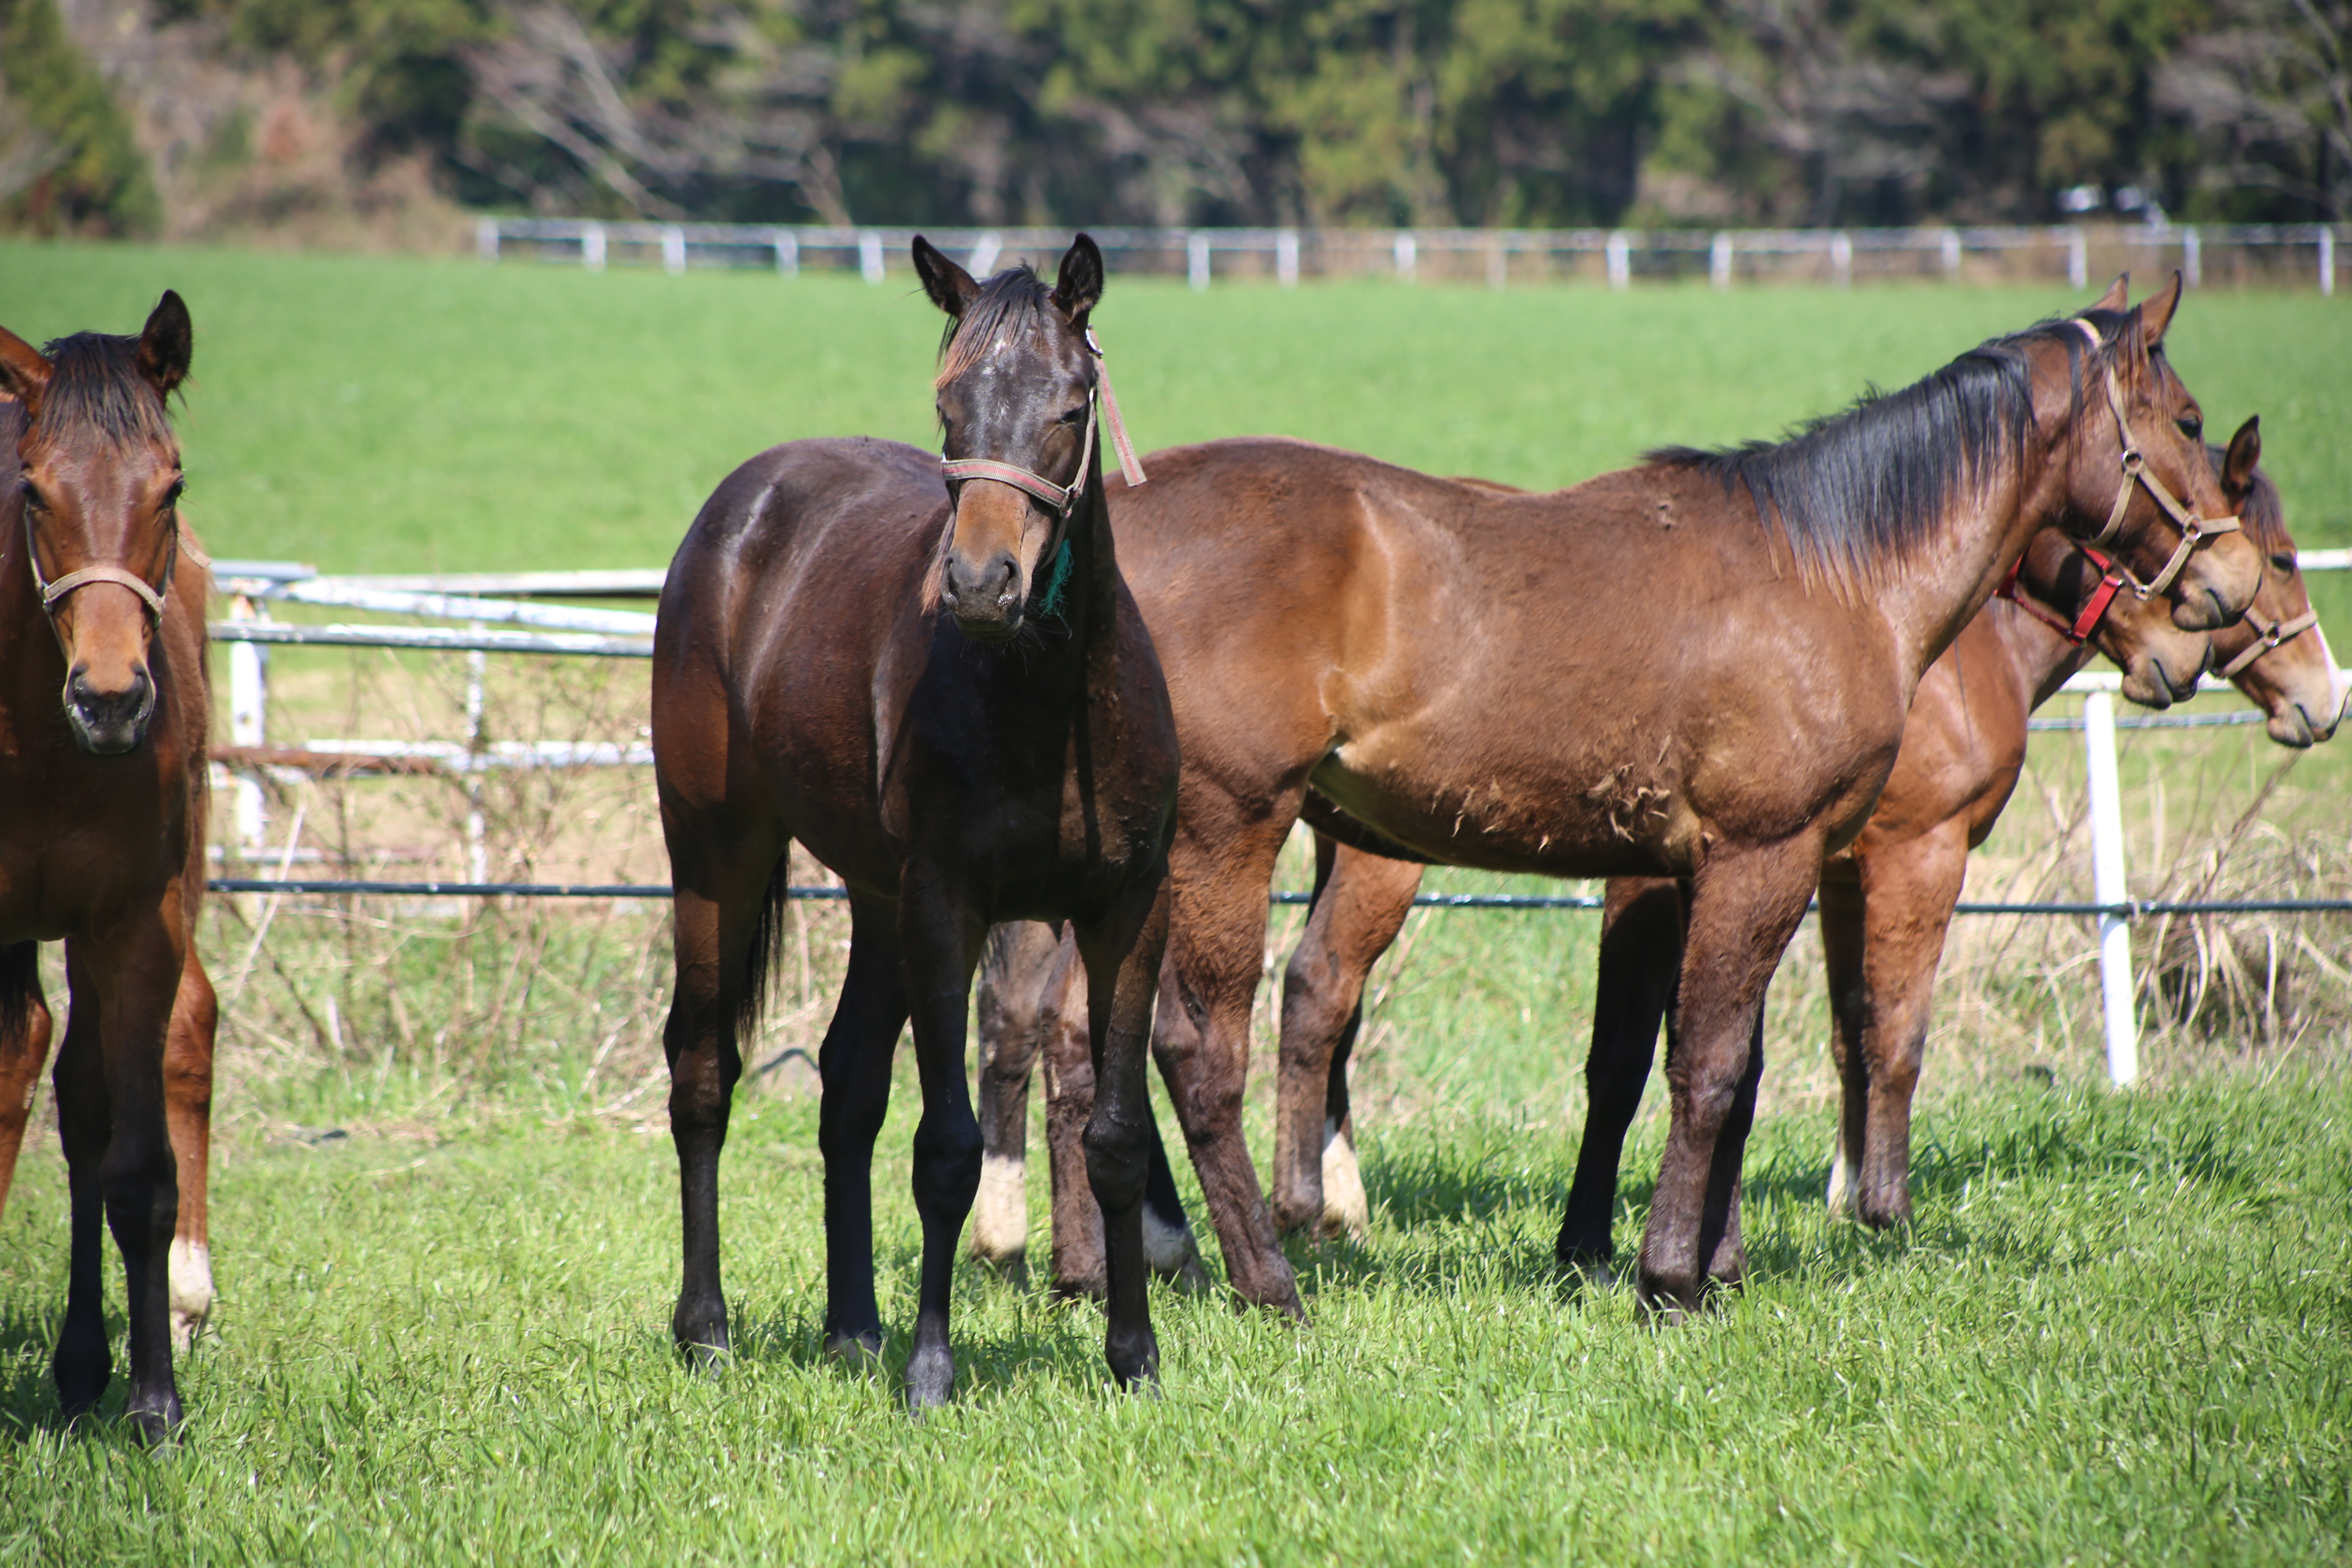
x,y
1009,299
1863,486
95,380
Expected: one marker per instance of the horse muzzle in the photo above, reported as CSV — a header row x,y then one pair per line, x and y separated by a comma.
x,y
986,600
108,723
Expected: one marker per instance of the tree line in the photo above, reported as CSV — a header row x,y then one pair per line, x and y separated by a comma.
x,y
1310,112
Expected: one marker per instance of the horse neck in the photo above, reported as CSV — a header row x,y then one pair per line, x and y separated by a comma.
x,y
2039,657
1090,602
1929,597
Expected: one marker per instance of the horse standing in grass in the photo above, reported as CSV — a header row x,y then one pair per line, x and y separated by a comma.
x,y
1700,667
945,692
104,703
1885,901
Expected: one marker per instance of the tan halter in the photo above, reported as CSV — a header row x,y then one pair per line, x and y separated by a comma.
x,y
52,592
2194,530
2284,632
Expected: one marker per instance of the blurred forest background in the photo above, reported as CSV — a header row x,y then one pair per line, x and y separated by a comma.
x,y
384,122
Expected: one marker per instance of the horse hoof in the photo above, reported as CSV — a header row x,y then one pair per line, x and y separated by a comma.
x,y
856,1350
930,1381
700,1328
155,1420
1587,1271
1663,1304
1193,1280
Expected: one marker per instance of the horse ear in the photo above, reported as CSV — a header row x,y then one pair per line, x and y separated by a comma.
x,y
2156,314
2245,452
166,343
1078,281
2118,295
949,286
23,373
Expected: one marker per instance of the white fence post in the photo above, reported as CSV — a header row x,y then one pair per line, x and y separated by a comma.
x,y
2107,887
1950,245
2192,258
591,246
672,251
788,253
1621,260
2326,260
486,239
869,255
1842,258
249,723
2078,260
984,252
1196,260
1718,261
1286,258
1408,255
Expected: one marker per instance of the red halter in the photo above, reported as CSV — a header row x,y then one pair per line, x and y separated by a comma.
x,y
2086,620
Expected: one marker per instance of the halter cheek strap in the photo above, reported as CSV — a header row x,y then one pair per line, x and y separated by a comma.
x,y
2278,635
2086,620
1102,403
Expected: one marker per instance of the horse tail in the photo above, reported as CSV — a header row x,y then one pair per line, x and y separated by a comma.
x,y
20,983
767,948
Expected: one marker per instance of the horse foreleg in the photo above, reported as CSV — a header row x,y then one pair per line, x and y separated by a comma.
x,y
136,969
83,1361
1908,894
1744,907
1216,948
1639,959
941,935
188,1107
1360,904
1012,972
24,1027
1843,954
855,1063
1122,956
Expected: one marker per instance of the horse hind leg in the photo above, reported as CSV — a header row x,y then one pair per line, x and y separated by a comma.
x,y
1014,969
1843,953
1122,959
1360,904
83,1361
25,1033
188,1108
1909,901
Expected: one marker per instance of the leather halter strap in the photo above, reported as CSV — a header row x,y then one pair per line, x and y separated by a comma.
x,y
2194,531
1102,405
54,590
2277,635
2086,620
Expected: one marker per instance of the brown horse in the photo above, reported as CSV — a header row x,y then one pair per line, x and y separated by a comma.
x,y
1432,659
945,692
1361,898
1885,901
104,711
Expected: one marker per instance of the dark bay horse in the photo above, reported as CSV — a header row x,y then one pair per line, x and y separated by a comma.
x,y
1439,661
1886,899
945,692
104,703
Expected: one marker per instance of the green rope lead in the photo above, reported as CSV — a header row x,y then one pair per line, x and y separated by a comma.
x,y
1057,582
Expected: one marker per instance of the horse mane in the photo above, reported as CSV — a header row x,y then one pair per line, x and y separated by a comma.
x,y
1010,301
1860,489
94,381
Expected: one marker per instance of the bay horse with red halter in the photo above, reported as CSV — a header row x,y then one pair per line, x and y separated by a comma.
x,y
937,681
1432,659
104,705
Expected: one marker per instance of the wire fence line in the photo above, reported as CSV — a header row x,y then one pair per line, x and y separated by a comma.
x,y
2232,253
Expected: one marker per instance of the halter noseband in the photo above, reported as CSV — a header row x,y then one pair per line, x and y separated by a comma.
x,y
2277,635
2112,579
2194,530
53,591
1062,498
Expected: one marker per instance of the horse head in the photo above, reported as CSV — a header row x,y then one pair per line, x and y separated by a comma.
x,y
2290,675
2087,597
2138,474
100,503
1017,417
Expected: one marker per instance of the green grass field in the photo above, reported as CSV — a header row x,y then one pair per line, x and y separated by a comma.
x,y
2117,1332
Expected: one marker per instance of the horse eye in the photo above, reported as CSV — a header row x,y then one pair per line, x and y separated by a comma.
x,y
2191,427
172,497
1075,416
33,497
2284,562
